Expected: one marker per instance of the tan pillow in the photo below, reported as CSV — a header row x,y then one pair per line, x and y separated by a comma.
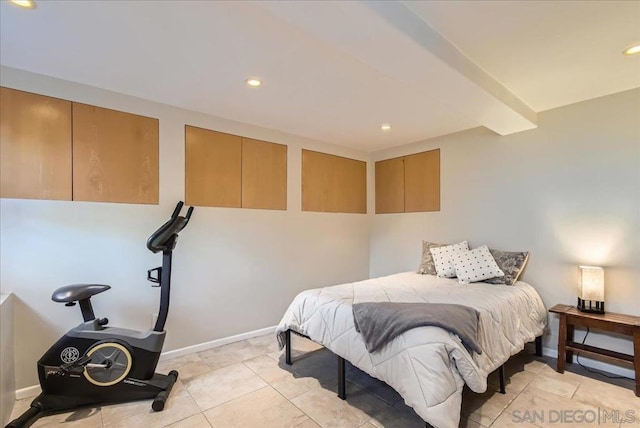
x,y
511,263
427,267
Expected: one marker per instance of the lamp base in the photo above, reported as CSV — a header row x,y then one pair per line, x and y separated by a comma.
x,y
591,306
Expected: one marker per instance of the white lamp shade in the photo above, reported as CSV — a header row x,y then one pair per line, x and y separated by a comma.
x,y
591,283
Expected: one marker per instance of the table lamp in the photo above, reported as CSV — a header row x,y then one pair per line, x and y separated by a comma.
x,y
591,293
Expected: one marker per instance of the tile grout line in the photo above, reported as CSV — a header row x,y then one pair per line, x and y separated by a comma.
x,y
219,368
355,387
535,375
235,398
194,401
294,404
308,415
359,387
255,372
574,392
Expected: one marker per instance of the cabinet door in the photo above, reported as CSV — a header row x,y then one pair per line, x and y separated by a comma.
x,y
115,156
213,168
422,181
264,175
35,146
390,186
333,183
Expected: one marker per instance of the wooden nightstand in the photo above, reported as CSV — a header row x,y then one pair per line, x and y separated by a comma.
x,y
571,317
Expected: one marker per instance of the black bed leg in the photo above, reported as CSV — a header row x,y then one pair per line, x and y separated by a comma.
x,y
287,347
539,346
342,390
501,374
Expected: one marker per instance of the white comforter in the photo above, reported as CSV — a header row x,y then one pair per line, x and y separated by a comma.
x,y
428,366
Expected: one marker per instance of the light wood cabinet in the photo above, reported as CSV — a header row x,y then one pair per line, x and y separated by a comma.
x,y
115,156
264,175
390,186
225,170
333,184
58,149
422,182
35,146
213,168
409,183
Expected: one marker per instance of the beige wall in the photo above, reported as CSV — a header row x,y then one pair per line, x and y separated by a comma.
x,y
235,270
7,368
568,192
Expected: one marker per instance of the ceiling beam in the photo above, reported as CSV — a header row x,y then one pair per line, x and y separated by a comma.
x,y
392,38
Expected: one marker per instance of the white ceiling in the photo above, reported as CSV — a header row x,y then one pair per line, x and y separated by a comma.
x,y
548,53
334,71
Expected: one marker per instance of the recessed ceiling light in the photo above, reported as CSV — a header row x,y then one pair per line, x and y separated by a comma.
x,y
254,83
634,49
27,4
385,127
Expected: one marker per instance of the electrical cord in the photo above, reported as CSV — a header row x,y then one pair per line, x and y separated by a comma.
x,y
590,370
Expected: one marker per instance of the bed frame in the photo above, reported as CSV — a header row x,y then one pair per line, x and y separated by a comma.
x,y
342,390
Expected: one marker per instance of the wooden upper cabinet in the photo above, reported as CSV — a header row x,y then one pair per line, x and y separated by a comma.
x,y
115,156
35,146
422,181
409,183
264,175
333,183
390,186
56,149
213,168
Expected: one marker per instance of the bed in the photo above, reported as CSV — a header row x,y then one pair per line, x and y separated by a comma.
x,y
427,366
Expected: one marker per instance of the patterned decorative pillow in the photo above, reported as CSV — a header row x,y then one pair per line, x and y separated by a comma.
x,y
475,265
511,263
426,266
442,258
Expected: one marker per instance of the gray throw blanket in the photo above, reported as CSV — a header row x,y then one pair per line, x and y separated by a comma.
x,y
381,322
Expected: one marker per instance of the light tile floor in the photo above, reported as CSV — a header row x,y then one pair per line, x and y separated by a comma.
x,y
246,384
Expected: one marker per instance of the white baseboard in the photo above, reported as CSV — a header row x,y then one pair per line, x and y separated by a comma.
x,y
216,343
34,390
28,392
594,364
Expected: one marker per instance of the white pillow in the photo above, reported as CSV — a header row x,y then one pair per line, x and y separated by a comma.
x,y
442,258
475,265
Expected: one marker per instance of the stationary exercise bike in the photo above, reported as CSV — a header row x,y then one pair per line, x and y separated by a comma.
x,y
95,364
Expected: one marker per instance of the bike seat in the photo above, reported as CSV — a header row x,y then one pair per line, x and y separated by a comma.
x,y
72,293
